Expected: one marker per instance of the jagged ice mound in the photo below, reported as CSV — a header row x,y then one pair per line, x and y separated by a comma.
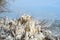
x,y
24,28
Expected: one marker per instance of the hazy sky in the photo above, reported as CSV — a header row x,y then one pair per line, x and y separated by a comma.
x,y
36,8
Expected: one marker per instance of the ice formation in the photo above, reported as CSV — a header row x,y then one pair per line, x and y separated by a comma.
x,y
24,28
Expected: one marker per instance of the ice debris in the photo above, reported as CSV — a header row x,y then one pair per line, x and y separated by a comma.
x,y
24,28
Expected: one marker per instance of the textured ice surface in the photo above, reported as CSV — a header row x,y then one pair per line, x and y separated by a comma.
x,y
28,28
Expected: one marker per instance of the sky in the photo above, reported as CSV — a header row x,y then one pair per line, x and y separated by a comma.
x,y
41,9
